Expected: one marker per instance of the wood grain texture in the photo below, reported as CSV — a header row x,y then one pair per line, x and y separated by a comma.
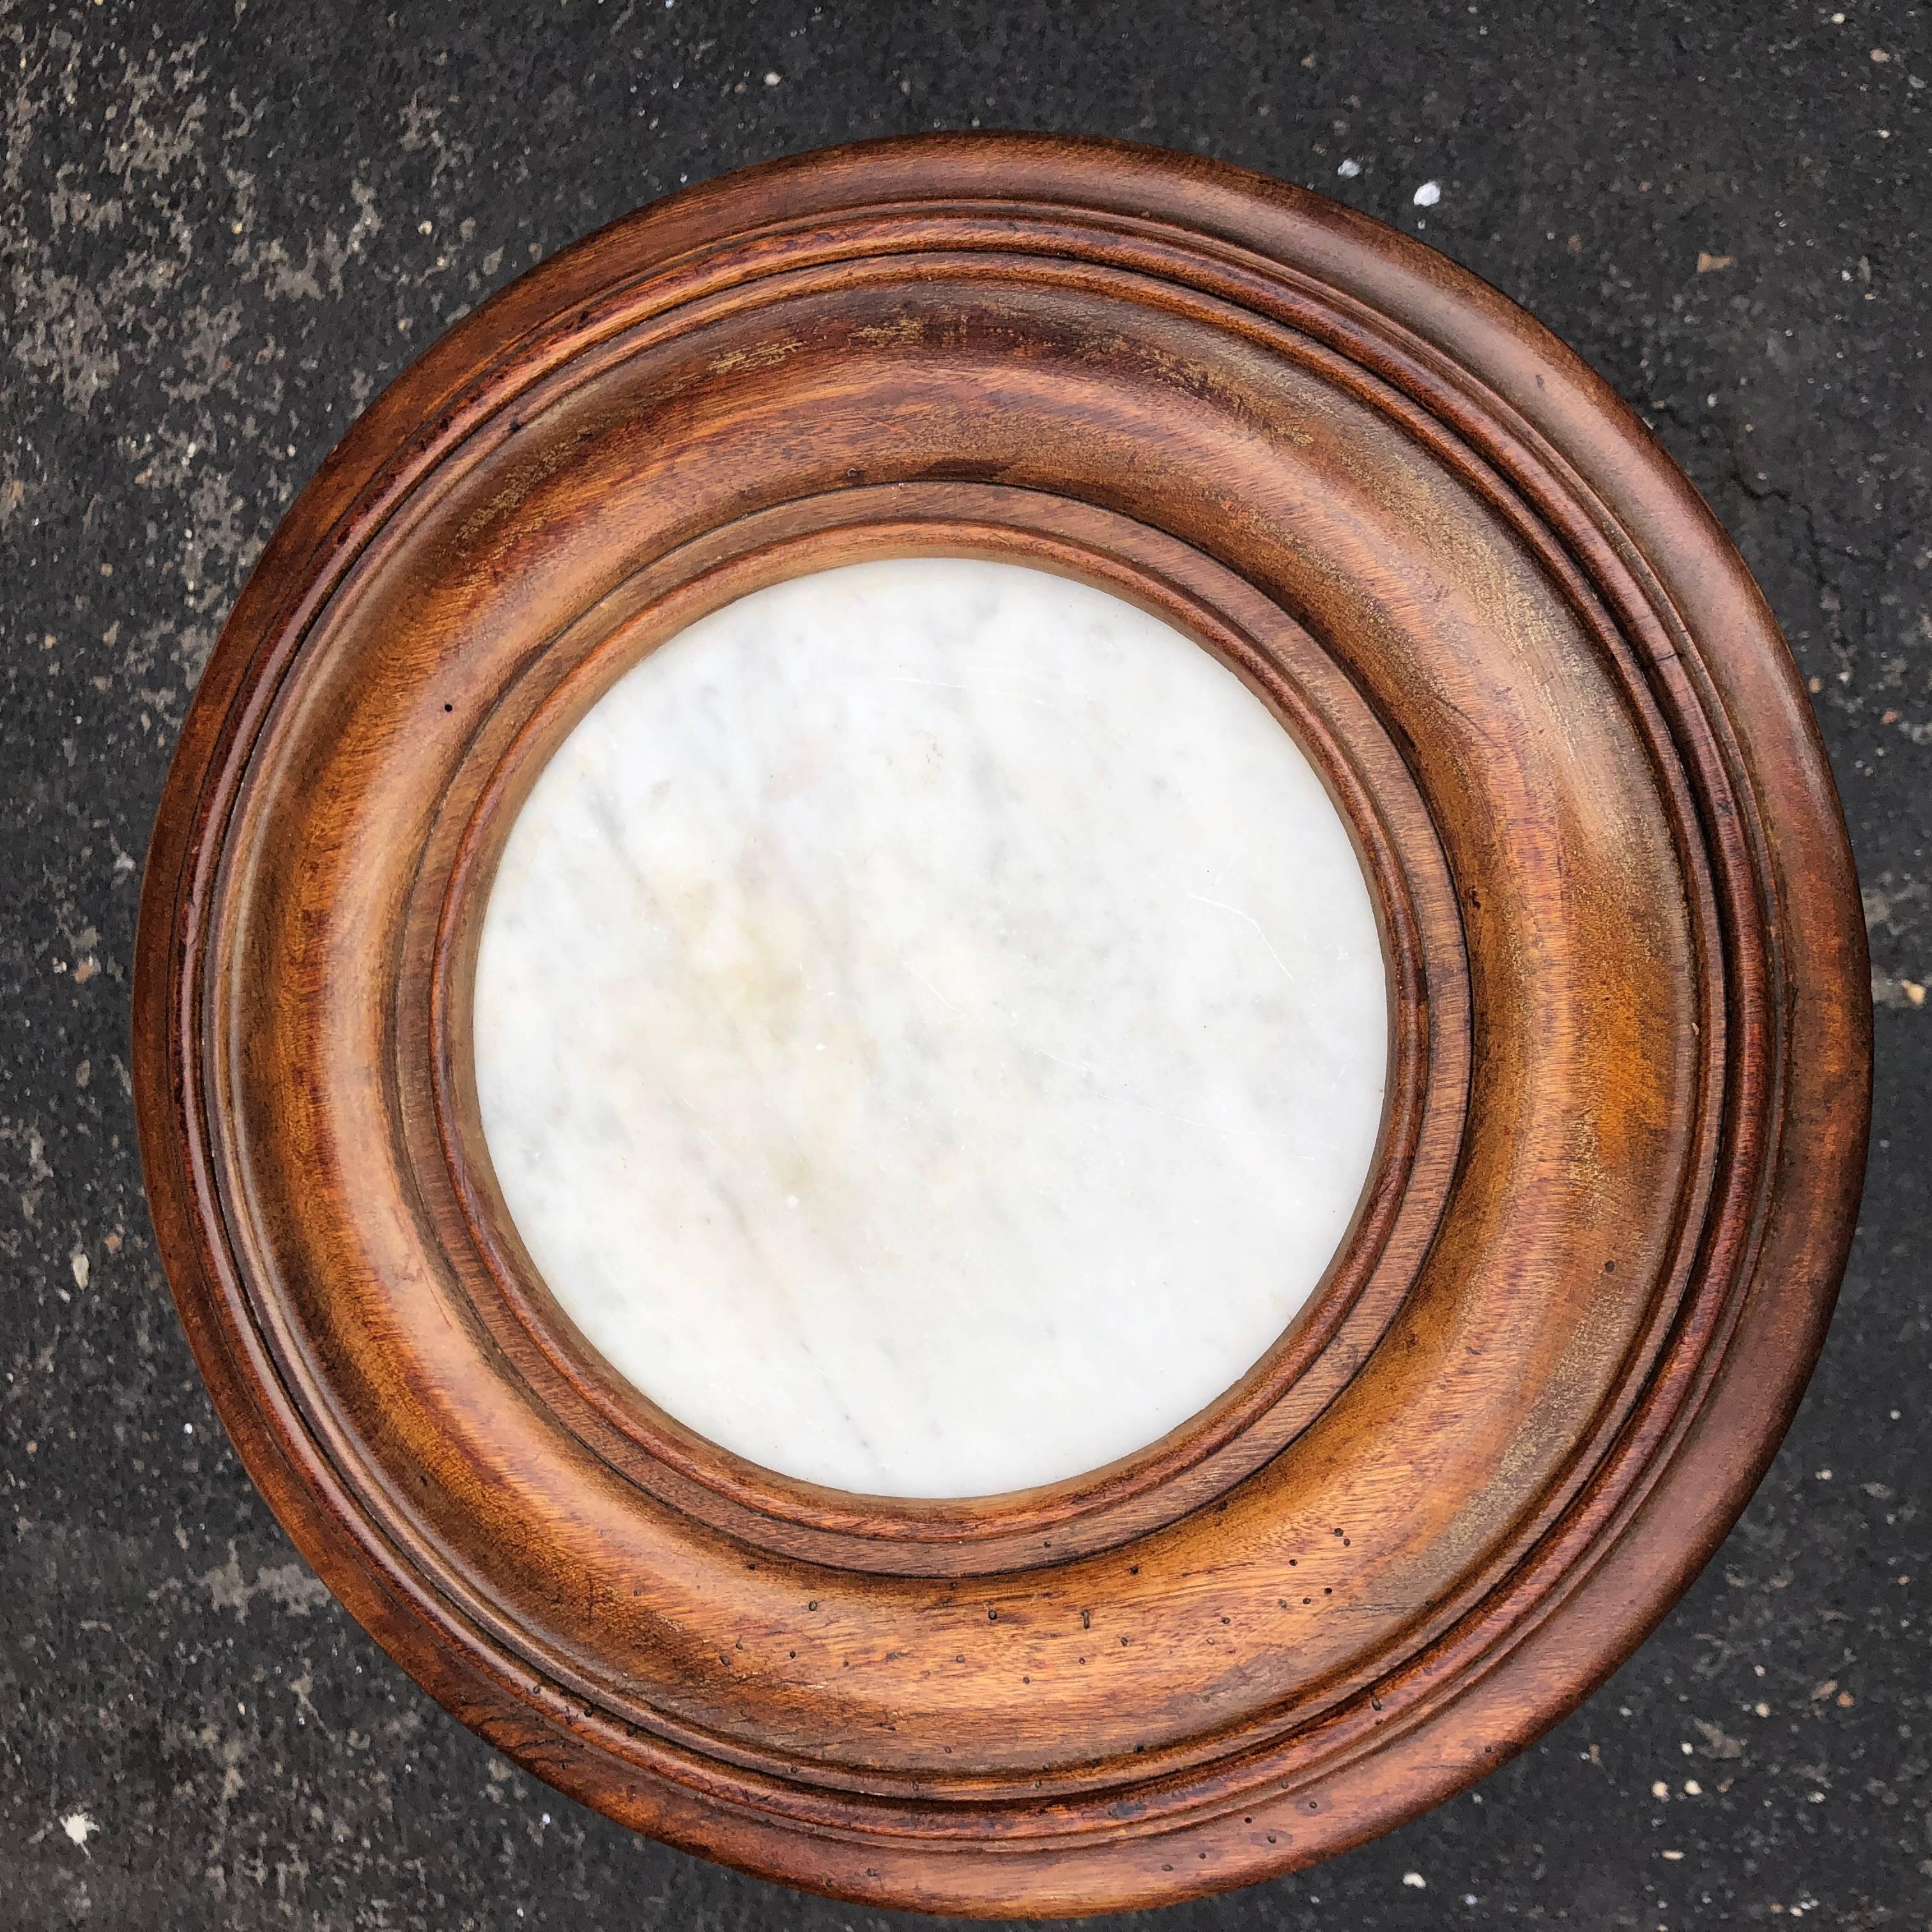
x,y
1630,1067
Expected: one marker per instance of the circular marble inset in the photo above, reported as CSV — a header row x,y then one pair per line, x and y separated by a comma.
x,y
931,1028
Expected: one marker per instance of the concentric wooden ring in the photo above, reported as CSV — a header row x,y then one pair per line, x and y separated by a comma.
x,y
1397,1219
1629,1066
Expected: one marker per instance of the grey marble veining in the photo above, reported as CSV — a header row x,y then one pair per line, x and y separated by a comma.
x,y
931,1028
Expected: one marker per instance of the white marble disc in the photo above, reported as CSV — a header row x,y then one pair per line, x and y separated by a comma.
x,y
931,1028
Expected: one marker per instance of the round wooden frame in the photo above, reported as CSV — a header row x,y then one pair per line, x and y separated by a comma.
x,y
1629,1062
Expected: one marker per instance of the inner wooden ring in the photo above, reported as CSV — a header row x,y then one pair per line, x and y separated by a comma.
x,y
1426,1087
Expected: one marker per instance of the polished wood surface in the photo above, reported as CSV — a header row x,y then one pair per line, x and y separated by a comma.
x,y
1629,1068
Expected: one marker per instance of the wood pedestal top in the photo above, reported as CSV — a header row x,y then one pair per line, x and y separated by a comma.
x,y
1628,1040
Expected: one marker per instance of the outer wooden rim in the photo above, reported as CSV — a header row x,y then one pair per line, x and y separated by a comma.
x,y
1645,1222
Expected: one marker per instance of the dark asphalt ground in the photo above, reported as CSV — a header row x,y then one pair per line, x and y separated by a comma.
x,y
224,226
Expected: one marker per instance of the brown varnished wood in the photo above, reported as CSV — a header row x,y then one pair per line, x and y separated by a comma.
x,y
1629,1067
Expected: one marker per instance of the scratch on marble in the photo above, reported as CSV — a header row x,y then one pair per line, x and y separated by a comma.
x,y
1259,933
931,987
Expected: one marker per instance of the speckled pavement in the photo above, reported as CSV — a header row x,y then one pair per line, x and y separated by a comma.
x,y
222,228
